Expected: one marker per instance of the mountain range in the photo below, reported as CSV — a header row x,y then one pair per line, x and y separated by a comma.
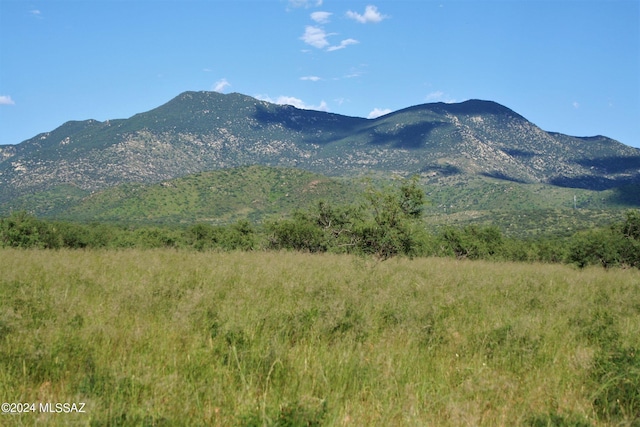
x,y
205,131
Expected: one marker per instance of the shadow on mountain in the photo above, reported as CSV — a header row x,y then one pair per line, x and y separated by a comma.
x,y
616,164
502,176
627,195
325,127
590,182
444,170
521,154
409,137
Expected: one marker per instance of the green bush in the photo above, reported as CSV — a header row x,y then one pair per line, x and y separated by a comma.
x,y
201,236
472,242
21,230
631,225
384,226
240,235
595,247
608,247
74,236
300,233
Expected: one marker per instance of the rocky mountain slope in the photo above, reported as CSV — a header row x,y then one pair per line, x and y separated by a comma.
x,y
202,131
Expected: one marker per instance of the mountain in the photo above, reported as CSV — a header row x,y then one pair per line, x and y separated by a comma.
x,y
204,131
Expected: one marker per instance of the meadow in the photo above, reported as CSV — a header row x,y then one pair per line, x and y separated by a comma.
x,y
166,337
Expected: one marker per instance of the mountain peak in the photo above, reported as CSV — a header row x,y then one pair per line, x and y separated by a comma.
x,y
202,131
471,107
478,107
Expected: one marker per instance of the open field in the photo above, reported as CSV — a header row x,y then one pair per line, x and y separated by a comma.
x,y
166,337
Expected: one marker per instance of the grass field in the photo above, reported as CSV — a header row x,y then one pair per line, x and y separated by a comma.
x,y
165,337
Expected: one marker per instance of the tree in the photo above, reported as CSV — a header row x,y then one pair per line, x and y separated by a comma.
x,y
473,242
631,225
384,225
392,231
630,246
412,198
202,236
595,247
300,233
21,230
240,235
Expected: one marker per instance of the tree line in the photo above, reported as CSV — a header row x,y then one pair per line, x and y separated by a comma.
x,y
387,224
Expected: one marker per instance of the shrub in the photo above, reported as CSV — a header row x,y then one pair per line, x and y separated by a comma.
x,y
384,226
240,235
472,242
596,247
21,230
613,246
631,225
300,233
74,236
154,237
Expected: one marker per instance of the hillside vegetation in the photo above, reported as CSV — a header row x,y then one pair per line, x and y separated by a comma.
x,y
204,131
220,197
260,193
168,337
382,221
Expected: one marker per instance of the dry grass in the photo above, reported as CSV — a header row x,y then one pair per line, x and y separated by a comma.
x,y
167,337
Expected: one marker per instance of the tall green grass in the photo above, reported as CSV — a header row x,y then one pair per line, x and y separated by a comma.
x,y
166,337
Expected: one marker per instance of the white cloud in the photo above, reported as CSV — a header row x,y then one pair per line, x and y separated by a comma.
x,y
6,100
221,85
576,104
305,3
377,112
296,102
321,17
434,96
342,45
439,96
311,78
355,72
371,14
315,36
36,12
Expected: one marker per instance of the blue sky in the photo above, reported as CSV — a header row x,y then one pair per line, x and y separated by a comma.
x,y
570,66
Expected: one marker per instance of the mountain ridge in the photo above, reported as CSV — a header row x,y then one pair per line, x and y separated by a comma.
x,y
202,131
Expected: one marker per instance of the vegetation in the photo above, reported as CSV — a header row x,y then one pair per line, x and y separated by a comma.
x,y
255,296
387,223
218,197
466,147
256,193
297,323
613,246
166,337
385,226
